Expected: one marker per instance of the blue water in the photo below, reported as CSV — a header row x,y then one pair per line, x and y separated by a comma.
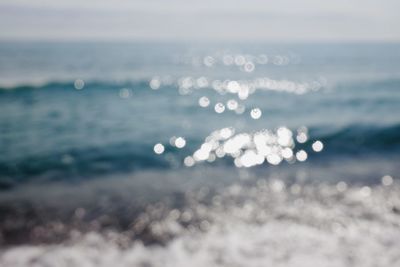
x,y
278,145
49,130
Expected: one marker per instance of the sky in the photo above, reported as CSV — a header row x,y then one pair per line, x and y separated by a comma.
x,y
201,20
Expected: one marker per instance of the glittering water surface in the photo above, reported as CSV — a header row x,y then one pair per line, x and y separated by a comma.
x,y
270,223
217,155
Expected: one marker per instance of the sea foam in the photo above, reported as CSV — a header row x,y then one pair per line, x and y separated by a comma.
x,y
270,224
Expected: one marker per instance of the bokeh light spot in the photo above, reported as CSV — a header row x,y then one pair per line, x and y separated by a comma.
x,y
317,146
79,84
159,148
255,113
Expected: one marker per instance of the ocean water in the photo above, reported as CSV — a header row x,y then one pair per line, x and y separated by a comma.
x,y
167,154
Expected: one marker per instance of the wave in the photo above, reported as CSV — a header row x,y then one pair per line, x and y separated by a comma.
x,y
83,163
87,162
361,138
389,83
70,84
271,224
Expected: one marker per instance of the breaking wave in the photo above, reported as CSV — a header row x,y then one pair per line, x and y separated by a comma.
x,y
272,223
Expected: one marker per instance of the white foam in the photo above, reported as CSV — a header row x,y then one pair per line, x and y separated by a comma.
x,y
256,226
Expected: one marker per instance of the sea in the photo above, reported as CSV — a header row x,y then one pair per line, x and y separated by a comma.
x,y
199,154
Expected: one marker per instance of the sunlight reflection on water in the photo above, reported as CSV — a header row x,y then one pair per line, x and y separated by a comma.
x,y
252,148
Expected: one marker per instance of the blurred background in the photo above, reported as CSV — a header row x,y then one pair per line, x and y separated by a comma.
x,y
215,133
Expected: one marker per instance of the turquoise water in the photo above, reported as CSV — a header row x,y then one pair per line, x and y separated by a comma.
x,y
160,143
50,129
